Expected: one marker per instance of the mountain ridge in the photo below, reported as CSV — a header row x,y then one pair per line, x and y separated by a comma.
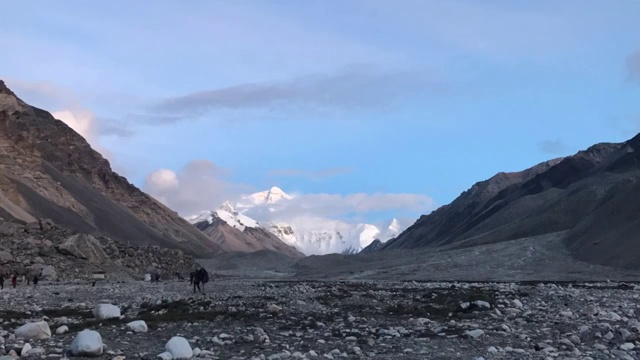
x,y
582,196
47,170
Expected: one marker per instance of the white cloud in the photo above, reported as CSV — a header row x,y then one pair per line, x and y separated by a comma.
x,y
201,185
198,186
83,122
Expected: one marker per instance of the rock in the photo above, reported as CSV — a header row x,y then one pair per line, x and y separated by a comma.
x,y
5,257
197,352
274,309
84,246
179,348
9,229
138,326
165,356
475,334
48,272
205,354
62,330
106,311
88,343
517,303
25,349
482,304
627,346
35,352
36,330
590,310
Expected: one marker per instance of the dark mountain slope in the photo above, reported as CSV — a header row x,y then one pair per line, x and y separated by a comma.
x,y
47,170
593,195
247,240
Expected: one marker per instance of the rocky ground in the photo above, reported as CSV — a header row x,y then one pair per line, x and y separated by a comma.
x,y
62,254
247,319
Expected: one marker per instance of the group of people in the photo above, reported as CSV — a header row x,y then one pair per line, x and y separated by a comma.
x,y
14,280
197,277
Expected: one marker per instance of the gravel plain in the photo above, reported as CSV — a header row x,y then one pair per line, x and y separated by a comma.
x,y
269,319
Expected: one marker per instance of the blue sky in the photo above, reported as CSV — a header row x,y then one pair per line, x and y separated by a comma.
x,y
414,97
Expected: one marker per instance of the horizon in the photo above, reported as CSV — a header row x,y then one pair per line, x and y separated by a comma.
x,y
368,110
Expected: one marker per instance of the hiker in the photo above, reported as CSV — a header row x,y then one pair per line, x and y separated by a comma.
x,y
14,280
201,276
35,280
156,275
1,282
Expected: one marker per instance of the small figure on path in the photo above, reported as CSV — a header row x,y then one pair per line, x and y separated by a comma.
x,y
1,282
35,280
200,276
14,280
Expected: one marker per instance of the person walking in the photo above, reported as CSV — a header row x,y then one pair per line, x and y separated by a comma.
x,y
1,282
14,280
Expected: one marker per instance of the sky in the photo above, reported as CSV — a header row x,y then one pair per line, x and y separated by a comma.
x,y
379,108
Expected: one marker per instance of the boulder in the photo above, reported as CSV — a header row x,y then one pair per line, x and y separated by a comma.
x,y
88,343
36,330
274,309
9,229
25,350
32,227
84,246
138,326
48,271
35,352
179,348
106,311
62,330
5,257
165,356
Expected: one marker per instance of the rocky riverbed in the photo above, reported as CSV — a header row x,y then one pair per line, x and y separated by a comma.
x,y
250,319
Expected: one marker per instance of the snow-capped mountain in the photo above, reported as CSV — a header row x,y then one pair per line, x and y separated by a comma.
x,y
311,235
228,214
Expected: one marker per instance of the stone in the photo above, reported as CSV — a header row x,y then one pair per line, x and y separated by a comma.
x,y
25,349
590,310
517,303
62,330
165,356
475,334
84,246
5,257
36,330
35,352
627,346
482,304
274,309
88,343
106,311
179,348
138,326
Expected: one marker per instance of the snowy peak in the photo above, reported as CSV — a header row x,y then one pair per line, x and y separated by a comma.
x,y
271,196
394,226
228,207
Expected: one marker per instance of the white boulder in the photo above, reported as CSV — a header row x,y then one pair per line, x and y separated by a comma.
x,y
88,343
106,311
36,330
62,330
179,348
138,326
25,350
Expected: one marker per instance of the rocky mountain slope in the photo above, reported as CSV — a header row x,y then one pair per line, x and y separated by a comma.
x,y
237,233
271,210
61,254
47,170
592,197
